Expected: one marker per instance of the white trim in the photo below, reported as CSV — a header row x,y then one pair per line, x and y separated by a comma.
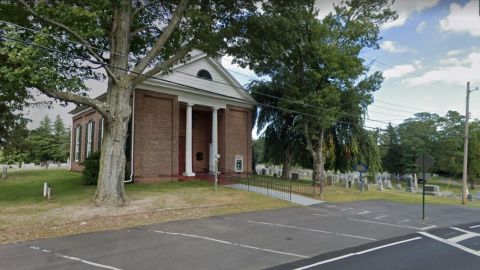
x,y
89,142
76,153
189,94
238,158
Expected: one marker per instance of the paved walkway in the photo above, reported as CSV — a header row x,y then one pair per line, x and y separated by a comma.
x,y
298,199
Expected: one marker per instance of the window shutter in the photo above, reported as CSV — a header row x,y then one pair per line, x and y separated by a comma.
x,y
86,141
93,137
100,127
80,144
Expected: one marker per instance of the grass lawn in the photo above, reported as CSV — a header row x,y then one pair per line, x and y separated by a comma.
x,y
25,214
342,194
339,193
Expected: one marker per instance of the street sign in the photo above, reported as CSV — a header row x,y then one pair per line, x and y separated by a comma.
x,y
360,167
425,162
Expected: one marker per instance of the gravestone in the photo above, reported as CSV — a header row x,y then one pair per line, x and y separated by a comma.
x,y
294,176
387,184
379,184
410,184
264,171
433,190
330,180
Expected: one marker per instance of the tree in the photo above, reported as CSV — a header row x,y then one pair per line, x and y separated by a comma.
x,y
41,143
61,147
392,151
122,41
317,62
282,142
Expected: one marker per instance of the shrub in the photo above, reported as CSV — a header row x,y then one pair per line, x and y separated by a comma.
x,y
91,169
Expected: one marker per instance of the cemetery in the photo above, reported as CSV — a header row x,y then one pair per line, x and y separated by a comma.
x,y
408,183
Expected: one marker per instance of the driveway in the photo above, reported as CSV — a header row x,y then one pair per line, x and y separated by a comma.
x,y
239,241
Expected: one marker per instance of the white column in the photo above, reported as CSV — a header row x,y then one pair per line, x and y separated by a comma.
x,y
214,138
188,142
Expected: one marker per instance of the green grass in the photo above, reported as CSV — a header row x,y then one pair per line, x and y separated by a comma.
x,y
341,194
26,187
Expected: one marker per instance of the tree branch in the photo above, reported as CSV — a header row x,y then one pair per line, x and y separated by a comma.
x,y
170,61
67,29
309,140
158,46
77,99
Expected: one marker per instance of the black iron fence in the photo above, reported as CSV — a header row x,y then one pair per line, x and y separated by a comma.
x,y
271,186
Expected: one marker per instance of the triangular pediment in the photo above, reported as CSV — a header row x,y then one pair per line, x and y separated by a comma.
x,y
222,83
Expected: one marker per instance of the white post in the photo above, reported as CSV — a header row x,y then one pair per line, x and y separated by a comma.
x,y
188,142
45,189
214,137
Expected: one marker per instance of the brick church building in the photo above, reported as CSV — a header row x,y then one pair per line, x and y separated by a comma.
x,y
178,122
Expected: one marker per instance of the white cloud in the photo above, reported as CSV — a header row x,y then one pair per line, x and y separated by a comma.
x,y
454,52
462,19
391,46
452,71
421,26
398,71
325,7
405,10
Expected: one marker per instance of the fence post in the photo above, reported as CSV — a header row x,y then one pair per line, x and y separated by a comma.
x,y
291,183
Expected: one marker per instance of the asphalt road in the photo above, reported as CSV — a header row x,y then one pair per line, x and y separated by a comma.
x,y
440,249
299,235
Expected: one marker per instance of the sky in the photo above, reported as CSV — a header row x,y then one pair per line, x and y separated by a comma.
x,y
427,56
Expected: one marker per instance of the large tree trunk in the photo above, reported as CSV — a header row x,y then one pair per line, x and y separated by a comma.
x,y
316,150
110,187
319,164
287,161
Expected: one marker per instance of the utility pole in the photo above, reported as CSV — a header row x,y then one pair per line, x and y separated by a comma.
x,y
465,147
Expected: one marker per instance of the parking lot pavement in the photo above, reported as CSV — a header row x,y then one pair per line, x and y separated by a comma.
x,y
441,249
240,241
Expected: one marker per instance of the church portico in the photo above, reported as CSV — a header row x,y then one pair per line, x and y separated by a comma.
x,y
178,129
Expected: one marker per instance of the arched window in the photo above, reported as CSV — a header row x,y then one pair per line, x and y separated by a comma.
x,y
204,74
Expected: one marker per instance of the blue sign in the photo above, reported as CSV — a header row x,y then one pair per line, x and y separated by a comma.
x,y
360,167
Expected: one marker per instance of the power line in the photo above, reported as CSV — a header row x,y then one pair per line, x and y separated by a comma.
x,y
239,73
184,85
81,44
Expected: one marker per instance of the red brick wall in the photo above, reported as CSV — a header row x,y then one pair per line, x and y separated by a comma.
x,y
160,124
82,120
156,136
238,139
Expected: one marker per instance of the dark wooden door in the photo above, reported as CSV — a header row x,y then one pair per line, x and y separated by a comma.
x,y
181,154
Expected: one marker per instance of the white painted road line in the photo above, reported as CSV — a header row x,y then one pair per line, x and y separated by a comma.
x,y
465,231
403,221
382,216
312,230
229,243
321,215
74,258
473,227
471,251
330,206
357,253
466,235
363,213
394,225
